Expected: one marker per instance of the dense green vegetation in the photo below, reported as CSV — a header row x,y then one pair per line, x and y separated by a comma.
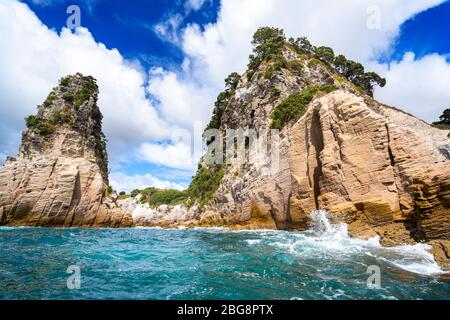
x,y
275,93
39,126
353,71
61,117
156,197
223,99
201,190
64,81
296,67
268,44
88,89
444,121
269,72
294,106
65,115
205,184
49,101
101,151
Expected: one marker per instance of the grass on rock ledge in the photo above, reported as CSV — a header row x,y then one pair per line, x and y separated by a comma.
x,y
294,107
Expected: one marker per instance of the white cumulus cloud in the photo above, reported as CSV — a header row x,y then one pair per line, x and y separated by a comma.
x,y
177,155
215,50
33,58
127,183
420,86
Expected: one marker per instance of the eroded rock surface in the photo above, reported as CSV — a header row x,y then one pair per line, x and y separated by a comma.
x,y
381,170
60,176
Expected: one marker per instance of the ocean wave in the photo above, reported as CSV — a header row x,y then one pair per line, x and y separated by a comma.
x,y
327,240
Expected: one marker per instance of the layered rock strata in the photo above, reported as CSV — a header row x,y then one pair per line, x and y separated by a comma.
x,y
60,177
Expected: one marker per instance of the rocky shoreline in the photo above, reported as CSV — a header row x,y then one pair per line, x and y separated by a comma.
x,y
383,172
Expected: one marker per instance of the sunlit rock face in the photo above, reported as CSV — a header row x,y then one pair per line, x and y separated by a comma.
x,y
379,169
61,174
382,171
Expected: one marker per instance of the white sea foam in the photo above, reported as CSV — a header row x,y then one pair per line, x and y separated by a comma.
x,y
6,228
149,228
416,259
332,240
253,241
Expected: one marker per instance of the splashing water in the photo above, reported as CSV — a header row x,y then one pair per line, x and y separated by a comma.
x,y
321,224
331,238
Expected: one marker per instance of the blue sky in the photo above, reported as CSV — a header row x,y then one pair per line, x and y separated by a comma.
x,y
426,33
127,25
129,28
161,63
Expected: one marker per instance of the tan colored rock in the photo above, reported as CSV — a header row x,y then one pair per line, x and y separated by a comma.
x,y
396,234
362,230
376,168
366,163
432,202
441,252
60,178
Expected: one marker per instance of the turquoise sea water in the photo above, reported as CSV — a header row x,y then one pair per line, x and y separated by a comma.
x,y
211,264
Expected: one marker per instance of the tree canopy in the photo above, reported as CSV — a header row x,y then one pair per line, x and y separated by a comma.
x,y
222,100
444,118
268,43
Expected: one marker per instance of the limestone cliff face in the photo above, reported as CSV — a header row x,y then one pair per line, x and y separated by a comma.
x,y
375,167
61,174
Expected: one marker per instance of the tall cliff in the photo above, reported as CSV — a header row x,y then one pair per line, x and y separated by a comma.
x,y
60,177
375,167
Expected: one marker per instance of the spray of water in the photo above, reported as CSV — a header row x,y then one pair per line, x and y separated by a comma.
x,y
334,237
320,223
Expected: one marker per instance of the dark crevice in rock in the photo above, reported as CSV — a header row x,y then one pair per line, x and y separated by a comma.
x,y
53,168
308,147
391,155
445,153
76,196
273,211
318,144
411,222
289,223
2,217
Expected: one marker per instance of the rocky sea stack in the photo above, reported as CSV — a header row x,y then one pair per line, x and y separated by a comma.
x,y
60,177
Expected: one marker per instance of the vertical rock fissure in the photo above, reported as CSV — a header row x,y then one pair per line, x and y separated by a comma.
x,y
391,155
76,196
308,147
317,142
